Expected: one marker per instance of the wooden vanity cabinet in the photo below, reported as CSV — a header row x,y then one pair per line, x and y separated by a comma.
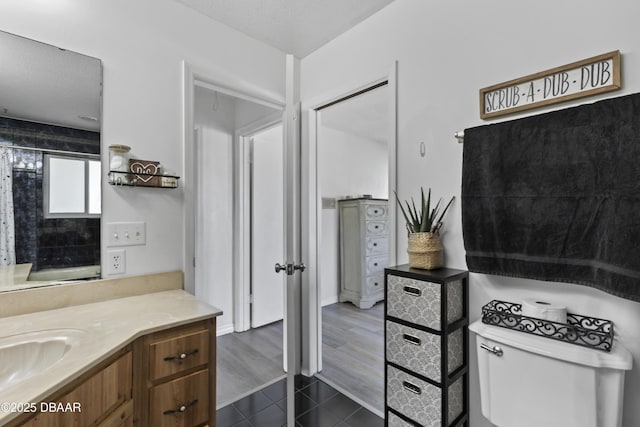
x,y
176,381
166,378
102,397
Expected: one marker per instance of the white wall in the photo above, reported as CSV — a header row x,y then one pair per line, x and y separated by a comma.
x,y
446,52
142,45
348,165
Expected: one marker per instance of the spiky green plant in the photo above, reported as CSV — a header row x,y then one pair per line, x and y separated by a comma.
x,y
424,219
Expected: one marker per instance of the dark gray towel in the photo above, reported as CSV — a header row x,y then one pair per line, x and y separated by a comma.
x,y
557,196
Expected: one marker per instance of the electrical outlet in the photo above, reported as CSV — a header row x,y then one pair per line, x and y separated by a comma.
x,y
116,263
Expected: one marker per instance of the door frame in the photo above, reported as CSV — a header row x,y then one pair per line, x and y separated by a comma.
x,y
242,286
192,76
311,225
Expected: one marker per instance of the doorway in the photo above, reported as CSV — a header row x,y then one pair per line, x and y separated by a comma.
x,y
371,104
239,222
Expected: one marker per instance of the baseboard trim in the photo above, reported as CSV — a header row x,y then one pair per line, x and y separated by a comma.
x,y
224,330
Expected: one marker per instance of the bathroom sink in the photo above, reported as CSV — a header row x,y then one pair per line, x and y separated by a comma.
x,y
25,355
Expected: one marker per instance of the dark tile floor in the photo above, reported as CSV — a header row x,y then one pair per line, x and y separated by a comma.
x,y
317,405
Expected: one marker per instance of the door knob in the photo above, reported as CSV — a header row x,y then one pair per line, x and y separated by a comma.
x,y
290,268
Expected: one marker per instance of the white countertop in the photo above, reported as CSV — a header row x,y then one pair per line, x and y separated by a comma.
x,y
14,274
105,327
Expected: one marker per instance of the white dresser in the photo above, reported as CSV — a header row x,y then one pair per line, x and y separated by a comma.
x,y
364,250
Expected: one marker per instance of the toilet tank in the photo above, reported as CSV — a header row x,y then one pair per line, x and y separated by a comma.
x,y
531,381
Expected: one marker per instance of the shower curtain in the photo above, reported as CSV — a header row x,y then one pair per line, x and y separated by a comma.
x,y
7,230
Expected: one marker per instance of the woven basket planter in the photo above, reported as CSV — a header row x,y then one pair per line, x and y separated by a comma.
x,y
425,251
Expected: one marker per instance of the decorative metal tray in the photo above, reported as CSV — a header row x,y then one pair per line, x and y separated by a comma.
x,y
579,330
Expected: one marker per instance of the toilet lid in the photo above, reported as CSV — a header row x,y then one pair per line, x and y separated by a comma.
x,y
618,358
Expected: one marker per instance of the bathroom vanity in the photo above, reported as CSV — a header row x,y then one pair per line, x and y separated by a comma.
x,y
145,360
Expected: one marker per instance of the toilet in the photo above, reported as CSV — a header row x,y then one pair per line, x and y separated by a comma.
x,y
531,381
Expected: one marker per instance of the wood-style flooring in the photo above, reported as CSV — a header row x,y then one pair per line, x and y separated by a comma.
x,y
353,356
353,352
248,361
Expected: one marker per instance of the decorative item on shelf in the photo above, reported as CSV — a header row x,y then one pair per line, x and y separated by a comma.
x,y
145,173
168,180
119,164
580,330
423,225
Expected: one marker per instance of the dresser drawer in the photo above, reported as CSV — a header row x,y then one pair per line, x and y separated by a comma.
x,y
420,400
377,264
376,227
183,402
375,284
376,212
421,351
418,302
178,352
377,245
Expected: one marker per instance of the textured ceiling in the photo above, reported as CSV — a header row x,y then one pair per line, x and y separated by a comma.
x,y
293,26
42,83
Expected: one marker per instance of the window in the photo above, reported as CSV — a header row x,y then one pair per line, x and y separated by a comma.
x,y
71,187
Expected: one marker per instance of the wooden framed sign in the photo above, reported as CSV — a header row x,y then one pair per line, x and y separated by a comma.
x,y
576,80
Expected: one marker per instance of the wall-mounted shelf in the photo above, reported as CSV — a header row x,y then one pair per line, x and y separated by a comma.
x,y
129,179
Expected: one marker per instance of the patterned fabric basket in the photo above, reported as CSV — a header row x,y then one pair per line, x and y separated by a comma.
x,y
425,251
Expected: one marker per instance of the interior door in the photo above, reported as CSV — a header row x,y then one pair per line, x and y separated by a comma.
x,y
267,227
292,266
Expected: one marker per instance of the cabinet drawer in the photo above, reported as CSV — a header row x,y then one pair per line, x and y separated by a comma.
x,y
376,227
418,301
102,394
183,402
376,264
421,351
376,212
375,284
177,353
420,400
377,245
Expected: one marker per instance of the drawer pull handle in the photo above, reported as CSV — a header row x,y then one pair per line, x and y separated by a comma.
x,y
412,340
411,387
181,356
414,292
181,408
375,244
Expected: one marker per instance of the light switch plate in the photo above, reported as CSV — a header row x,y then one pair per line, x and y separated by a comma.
x,y
126,234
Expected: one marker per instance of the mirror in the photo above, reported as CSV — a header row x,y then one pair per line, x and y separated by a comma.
x,y
50,108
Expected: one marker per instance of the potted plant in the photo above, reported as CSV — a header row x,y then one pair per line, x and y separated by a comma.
x,y
423,226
